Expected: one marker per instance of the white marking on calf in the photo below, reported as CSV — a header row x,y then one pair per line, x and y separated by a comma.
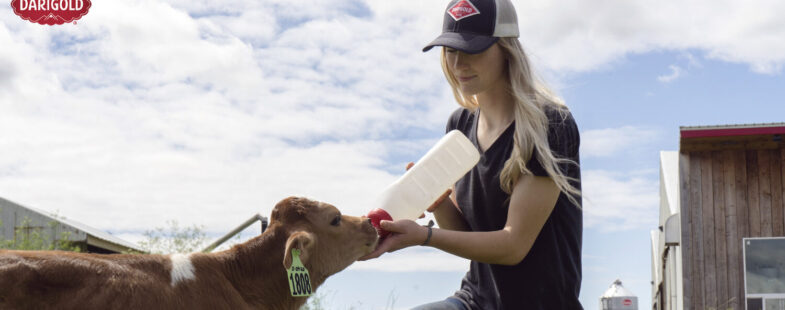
x,y
182,268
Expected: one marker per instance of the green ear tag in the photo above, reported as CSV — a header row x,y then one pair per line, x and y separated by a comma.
x,y
299,280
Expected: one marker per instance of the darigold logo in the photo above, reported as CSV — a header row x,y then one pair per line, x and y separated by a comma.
x,y
462,9
50,12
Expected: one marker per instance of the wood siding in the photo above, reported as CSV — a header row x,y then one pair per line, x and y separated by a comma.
x,y
726,195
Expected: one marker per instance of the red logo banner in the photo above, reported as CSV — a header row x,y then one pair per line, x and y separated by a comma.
x,y
462,9
51,12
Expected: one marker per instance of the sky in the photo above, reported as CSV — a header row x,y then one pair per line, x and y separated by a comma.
x,y
207,112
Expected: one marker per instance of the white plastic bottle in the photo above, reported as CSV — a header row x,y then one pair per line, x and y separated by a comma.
x,y
444,164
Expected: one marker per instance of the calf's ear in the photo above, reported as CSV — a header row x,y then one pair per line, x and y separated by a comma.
x,y
301,240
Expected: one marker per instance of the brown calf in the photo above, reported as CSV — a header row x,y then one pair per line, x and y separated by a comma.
x,y
251,275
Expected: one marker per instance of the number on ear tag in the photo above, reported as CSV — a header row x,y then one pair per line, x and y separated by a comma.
x,y
299,279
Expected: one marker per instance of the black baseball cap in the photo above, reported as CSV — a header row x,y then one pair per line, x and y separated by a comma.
x,y
472,26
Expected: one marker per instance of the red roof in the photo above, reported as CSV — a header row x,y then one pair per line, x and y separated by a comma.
x,y
733,130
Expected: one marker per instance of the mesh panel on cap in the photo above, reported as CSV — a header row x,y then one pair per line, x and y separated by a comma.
x,y
506,20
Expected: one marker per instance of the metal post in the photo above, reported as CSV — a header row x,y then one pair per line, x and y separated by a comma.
x,y
238,229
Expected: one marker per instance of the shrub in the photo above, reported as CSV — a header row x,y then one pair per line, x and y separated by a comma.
x,y
36,238
174,239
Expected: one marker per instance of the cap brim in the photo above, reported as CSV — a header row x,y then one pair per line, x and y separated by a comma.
x,y
464,42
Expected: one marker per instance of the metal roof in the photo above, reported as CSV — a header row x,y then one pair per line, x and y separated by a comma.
x,y
616,290
728,126
93,233
732,130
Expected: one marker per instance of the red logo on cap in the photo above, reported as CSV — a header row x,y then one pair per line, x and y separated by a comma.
x,y
462,9
51,12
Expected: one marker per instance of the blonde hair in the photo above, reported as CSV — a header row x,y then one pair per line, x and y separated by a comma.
x,y
531,98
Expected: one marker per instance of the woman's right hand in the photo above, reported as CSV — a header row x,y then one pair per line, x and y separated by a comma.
x,y
438,201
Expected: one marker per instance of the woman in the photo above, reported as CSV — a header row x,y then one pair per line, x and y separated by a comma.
x,y
517,214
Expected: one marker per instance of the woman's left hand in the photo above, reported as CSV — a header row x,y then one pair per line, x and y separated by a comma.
x,y
403,233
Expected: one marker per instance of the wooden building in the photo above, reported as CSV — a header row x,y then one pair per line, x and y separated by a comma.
x,y
731,185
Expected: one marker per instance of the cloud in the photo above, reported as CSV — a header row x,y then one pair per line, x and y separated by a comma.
x,y
692,61
576,36
614,200
613,141
164,112
109,183
676,72
618,201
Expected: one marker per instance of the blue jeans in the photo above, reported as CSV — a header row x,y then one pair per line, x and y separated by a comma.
x,y
451,303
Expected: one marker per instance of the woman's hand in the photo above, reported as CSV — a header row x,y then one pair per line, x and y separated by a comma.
x,y
438,201
403,233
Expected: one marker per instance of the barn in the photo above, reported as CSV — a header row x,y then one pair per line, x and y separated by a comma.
x,y
720,243
17,219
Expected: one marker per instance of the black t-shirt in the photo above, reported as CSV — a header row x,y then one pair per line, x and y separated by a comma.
x,y
549,277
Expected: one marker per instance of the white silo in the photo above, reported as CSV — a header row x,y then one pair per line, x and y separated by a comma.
x,y
618,298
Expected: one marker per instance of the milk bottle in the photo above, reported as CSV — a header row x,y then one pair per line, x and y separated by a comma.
x,y
444,164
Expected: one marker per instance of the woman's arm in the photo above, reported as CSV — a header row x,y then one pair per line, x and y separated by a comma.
x,y
448,215
532,200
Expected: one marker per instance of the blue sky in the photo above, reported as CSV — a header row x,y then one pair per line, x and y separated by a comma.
x,y
206,113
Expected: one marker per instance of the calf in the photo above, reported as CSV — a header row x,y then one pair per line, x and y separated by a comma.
x,y
251,275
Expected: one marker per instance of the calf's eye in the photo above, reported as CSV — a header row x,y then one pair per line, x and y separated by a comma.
x,y
336,221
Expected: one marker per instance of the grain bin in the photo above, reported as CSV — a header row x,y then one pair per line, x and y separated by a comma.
x,y
618,298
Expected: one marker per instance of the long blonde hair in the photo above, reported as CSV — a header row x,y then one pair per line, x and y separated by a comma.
x,y
531,98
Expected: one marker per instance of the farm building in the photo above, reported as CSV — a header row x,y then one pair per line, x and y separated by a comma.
x,y
18,219
719,242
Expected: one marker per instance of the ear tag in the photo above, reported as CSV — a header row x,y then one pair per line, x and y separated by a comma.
x,y
299,280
